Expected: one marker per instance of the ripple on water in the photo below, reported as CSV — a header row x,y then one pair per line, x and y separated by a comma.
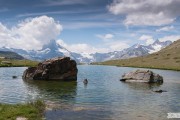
x,y
103,98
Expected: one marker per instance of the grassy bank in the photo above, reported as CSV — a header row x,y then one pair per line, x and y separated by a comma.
x,y
119,64
167,58
31,111
146,62
17,63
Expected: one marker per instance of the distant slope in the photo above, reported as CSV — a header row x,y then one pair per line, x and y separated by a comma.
x,y
167,58
11,55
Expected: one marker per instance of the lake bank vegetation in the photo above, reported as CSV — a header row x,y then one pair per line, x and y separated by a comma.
x,y
30,111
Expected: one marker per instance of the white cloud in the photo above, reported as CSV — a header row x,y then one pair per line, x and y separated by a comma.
x,y
31,33
117,45
149,39
104,48
166,28
171,38
105,37
146,12
81,47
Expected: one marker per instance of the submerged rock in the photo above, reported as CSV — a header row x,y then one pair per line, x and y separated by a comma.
x,y
142,76
160,91
14,77
61,68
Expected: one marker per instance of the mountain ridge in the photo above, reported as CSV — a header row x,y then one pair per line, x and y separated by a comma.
x,y
53,49
10,55
167,58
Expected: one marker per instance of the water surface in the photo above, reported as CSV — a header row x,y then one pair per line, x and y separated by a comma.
x,y
104,98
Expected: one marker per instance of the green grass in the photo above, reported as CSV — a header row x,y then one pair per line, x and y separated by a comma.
x,y
168,59
31,111
18,63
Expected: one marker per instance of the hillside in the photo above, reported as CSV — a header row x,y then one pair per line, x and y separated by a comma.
x,y
17,63
10,55
12,59
167,58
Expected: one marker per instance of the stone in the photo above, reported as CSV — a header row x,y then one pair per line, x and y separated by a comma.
x,y
160,91
85,81
14,77
146,76
61,68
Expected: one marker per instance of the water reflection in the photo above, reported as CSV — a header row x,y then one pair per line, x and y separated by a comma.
x,y
52,90
142,86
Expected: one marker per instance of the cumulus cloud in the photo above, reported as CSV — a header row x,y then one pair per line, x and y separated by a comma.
x,y
104,48
81,47
146,12
106,36
149,39
117,45
166,28
31,33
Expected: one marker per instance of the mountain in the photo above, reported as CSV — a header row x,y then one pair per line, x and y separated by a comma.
x,y
10,55
50,50
133,51
157,45
167,58
53,49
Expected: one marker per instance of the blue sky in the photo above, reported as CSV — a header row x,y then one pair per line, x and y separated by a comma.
x,y
88,25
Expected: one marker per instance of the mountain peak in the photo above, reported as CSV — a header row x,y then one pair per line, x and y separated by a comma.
x,y
51,45
156,41
136,45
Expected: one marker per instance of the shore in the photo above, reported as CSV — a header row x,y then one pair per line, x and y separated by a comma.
x,y
28,111
17,63
139,66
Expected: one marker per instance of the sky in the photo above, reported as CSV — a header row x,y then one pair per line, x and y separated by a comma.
x,y
88,25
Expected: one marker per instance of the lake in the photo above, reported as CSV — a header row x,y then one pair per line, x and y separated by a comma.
x,y
103,98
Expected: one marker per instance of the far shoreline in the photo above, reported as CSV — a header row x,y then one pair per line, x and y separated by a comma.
x,y
140,67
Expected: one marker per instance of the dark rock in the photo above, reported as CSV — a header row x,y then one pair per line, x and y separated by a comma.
x,y
61,68
142,76
85,81
14,77
160,91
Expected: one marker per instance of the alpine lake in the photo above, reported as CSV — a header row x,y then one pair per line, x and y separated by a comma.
x,y
103,98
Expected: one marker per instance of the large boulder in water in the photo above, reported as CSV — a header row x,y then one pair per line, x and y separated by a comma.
x,y
61,68
142,76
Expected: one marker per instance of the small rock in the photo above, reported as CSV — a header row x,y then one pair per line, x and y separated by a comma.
x,y
160,91
85,81
14,77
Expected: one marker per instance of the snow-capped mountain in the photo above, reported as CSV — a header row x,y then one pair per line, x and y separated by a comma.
x,y
157,45
50,50
53,49
133,51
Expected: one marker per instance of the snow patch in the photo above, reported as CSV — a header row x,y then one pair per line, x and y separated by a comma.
x,y
156,48
87,55
65,52
45,51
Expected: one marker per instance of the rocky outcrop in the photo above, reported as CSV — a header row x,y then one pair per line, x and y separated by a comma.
x,y
142,76
61,68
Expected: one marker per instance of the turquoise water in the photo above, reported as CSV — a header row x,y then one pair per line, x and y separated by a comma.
x,y
103,98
